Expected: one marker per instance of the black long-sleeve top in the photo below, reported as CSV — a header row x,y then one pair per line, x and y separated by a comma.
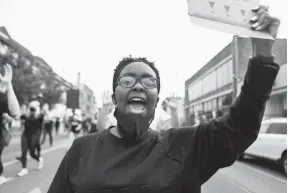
x,y
175,161
3,109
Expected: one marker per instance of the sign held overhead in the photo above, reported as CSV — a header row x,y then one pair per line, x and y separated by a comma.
x,y
231,16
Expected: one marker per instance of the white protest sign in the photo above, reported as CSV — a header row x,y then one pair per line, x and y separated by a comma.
x,y
231,16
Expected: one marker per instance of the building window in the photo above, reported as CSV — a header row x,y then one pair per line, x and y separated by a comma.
x,y
195,91
205,106
230,71
220,99
224,74
191,110
219,77
210,105
214,104
209,83
190,93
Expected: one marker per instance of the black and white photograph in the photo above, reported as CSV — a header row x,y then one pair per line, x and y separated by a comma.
x,y
143,96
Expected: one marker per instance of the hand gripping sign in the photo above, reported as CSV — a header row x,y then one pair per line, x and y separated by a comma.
x,y
231,16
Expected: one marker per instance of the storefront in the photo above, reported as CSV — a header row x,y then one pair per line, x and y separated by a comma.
x,y
276,106
210,91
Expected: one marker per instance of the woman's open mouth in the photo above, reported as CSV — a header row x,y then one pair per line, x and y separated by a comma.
x,y
136,105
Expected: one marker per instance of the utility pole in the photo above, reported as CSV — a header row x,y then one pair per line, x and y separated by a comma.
x,y
78,79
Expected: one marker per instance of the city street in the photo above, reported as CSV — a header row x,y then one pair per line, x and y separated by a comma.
x,y
249,176
35,181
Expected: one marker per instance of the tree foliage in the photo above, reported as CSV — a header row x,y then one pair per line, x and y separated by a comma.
x,y
30,80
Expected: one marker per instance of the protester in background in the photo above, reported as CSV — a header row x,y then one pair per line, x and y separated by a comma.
x,y
48,124
66,122
5,139
162,120
131,157
30,139
94,124
75,124
86,125
57,124
8,106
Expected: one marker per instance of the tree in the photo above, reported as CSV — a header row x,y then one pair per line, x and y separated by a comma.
x,y
31,80
52,91
26,81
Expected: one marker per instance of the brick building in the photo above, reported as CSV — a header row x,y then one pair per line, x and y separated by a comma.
x,y
87,100
211,90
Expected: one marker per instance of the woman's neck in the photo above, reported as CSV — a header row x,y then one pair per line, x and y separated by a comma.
x,y
130,131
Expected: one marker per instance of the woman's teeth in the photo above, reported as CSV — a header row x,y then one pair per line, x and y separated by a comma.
x,y
137,105
137,100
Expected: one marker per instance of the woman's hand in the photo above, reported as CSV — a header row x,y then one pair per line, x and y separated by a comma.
x,y
263,21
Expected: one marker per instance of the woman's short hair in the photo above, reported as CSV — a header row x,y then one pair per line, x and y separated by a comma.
x,y
128,60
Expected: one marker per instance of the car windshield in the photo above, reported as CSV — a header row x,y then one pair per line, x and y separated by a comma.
x,y
277,128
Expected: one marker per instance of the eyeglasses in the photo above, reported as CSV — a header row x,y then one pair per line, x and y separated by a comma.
x,y
129,82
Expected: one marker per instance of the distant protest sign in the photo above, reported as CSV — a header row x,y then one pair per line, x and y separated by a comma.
x,y
231,16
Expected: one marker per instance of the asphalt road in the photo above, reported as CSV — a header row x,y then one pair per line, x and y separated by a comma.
x,y
36,181
249,176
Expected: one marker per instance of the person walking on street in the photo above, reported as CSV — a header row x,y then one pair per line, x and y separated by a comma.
x,y
30,139
48,124
57,125
94,124
9,106
131,157
86,125
75,124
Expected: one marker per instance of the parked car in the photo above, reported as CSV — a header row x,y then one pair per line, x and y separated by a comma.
x,y
271,143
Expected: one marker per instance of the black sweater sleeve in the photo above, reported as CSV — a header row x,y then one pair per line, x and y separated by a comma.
x,y
217,143
61,182
3,103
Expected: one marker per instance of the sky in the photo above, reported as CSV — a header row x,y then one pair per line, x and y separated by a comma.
x,y
90,37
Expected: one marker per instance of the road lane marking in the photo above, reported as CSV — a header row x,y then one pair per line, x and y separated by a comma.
x,y
35,190
42,152
7,155
233,182
264,173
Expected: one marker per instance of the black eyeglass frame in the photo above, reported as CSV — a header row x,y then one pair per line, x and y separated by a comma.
x,y
136,80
